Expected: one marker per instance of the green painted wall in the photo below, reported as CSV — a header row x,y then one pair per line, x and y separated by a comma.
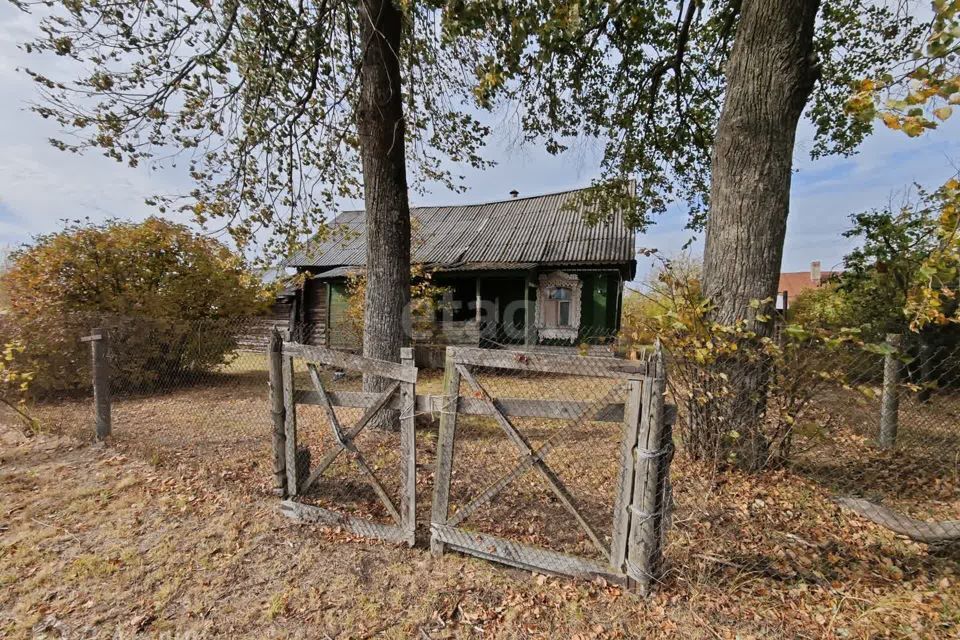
x,y
340,333
598,302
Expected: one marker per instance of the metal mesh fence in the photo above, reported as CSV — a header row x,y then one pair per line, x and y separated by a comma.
x,y
580,456
195,399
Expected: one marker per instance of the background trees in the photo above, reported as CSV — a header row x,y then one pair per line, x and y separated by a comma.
x,y
886,275
172,298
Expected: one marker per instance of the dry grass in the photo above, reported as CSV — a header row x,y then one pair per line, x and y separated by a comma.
x,y
170,529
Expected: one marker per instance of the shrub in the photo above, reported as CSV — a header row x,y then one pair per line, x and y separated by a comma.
x,y
170,297
742,396
14,383
827,307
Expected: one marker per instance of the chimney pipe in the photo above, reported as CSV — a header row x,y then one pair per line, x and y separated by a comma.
x,y
815,273
514,193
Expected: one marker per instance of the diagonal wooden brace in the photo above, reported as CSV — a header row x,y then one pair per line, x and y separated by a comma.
x,y
345,441
526,462
556,485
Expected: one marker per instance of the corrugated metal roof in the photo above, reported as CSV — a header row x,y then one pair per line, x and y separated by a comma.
x,y
547,229
340,272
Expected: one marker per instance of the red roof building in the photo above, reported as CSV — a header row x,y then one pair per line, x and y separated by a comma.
x,y
792,283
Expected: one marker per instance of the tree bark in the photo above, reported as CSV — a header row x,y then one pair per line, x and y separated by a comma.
x,y
770,74
382,140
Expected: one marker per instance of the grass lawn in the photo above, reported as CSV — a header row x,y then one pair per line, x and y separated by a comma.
x,y
170,529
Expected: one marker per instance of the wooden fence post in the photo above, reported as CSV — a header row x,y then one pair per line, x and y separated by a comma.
x,y
890,402
624,500
99,348
647,511
277,411
408,450
445,443
289,425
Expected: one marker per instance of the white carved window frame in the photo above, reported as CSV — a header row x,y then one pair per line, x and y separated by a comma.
x,y
546,282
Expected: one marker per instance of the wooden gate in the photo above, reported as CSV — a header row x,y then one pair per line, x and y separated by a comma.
x,y
295,482
641,500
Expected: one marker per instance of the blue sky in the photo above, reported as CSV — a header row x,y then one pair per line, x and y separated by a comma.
x,y
39,186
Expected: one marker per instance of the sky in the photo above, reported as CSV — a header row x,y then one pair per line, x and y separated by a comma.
x,y
40,186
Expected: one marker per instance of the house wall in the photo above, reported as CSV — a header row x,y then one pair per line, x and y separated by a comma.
x,y
342,334
315,312
600,302
325,305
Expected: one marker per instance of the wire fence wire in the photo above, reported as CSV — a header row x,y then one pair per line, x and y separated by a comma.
x,y
496,490
873,431
195,398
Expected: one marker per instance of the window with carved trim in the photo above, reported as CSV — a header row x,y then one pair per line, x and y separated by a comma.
x,y
558,306
556,311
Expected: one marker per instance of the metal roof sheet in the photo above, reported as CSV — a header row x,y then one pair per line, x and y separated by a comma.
x,y
539,229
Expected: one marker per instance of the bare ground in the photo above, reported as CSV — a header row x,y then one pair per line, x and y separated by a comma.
x,y
169,531
95,544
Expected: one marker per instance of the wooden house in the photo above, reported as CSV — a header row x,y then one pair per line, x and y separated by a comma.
x,y
519,271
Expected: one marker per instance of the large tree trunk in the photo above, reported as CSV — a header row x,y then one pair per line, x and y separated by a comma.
x,y
770,74
382,140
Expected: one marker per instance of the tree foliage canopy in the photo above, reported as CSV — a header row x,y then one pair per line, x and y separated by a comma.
x,y
646,77
258,97
885,274
918,93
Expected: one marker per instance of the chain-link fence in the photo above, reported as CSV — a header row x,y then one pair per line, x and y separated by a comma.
x,y
196,399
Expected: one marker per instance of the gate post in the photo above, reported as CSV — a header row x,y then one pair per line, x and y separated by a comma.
x,y
289,425
99,345
624,501
275,356
448,424
408,450
890,401
651,481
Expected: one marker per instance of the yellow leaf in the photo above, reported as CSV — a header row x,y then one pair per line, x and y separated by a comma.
x,y
892,121
943,112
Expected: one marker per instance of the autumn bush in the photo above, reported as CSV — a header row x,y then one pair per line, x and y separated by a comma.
x,y
742,396
171,298
646,309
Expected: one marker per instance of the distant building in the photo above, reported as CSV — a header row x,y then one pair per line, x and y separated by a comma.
x,y
792,283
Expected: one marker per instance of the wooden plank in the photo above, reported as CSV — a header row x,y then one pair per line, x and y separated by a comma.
x,y
327,408
277,413
512,407
946,531
408,451
376,484
551,363
445,444
643,540
340,359
553,480
621,509
547,409
521,555
290,426
318,515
